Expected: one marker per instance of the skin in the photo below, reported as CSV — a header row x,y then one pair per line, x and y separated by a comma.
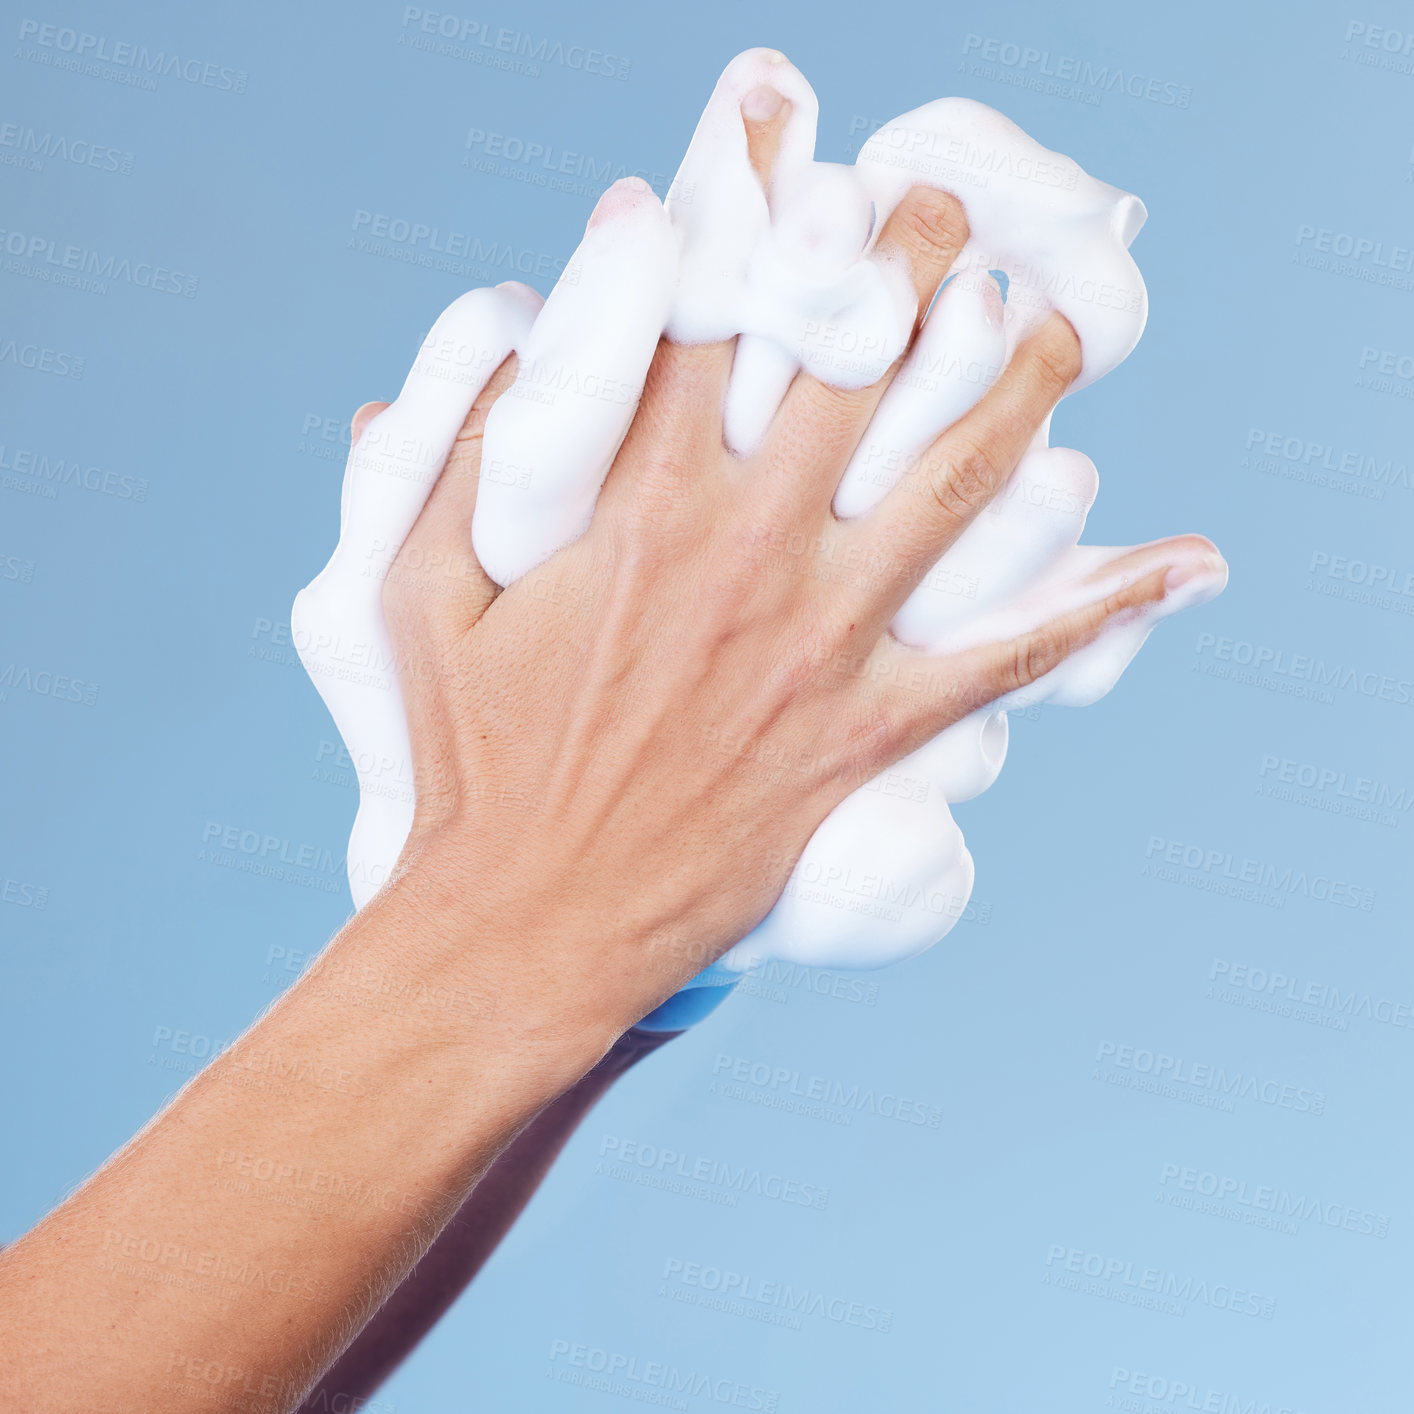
x,y
599,813
468,1241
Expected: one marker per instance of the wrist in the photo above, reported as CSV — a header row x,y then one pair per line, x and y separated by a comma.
x,y
475,977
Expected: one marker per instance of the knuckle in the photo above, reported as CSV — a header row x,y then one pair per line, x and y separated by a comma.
x,y
681,372
871,741
469,440
1116,602
815,653
835,411
794,672
812,652
1056,357
965,482
404,607
648,531
309,612
664,480
500,382
662,446
1030,658
934,220
1040,654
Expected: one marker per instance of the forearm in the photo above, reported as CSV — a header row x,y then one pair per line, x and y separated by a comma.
x,y
472,1235
227,1254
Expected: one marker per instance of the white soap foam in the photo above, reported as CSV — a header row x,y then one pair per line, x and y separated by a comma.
x,y
792,274
957,356
551,438
337,621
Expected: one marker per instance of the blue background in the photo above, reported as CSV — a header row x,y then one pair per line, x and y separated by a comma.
x,y
119,930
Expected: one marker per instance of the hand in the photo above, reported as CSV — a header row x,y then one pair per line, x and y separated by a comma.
x,y
621,756
628,747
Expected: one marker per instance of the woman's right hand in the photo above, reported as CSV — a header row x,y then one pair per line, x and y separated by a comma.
x,y
619,758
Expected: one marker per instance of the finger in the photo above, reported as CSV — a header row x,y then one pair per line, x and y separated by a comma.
x,y
678,415
436,569
358,425
1034,520
968,464
765,111
819,426
760,370
757,129
362,418
1041,633
707,369
434,593
400,452
338,620
550,441
957,356
926,231
812,256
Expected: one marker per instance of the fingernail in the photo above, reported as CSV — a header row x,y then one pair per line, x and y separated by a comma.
x,y
761,103
1186,573
602,207
992,303
615,199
